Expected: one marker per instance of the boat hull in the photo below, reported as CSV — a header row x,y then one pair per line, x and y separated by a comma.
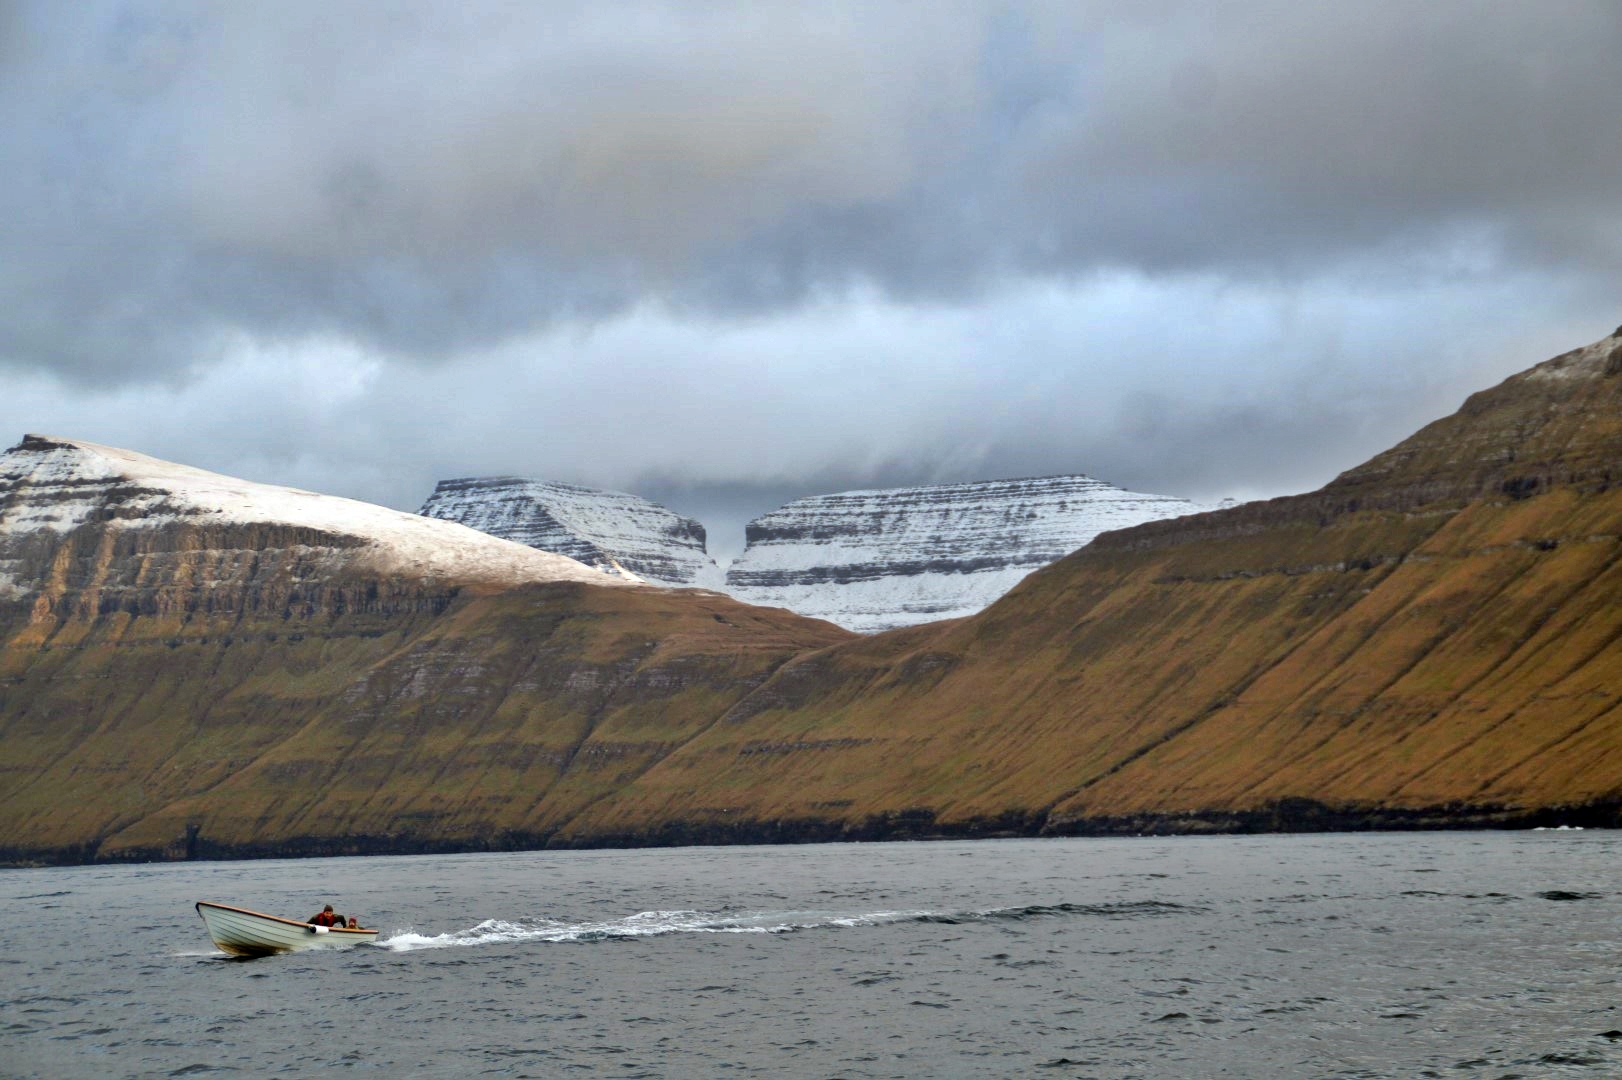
x,y
242,932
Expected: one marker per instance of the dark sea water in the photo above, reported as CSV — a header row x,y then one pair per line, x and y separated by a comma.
x,y
1472,955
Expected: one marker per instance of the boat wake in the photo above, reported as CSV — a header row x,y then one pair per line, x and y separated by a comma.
x,y
658,923
643,924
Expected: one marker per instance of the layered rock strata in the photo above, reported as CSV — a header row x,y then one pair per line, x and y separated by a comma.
x,y
877,560
193,663
1432,639
53,490
608,530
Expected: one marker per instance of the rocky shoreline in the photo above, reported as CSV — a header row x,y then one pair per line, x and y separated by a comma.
x,y
1284,816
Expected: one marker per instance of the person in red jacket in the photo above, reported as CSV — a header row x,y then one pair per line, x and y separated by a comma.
x,y
326,918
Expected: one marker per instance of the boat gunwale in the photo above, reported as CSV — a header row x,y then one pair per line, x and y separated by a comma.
x,y
201,904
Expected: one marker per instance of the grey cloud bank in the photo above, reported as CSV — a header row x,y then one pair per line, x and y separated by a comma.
x,y
720,252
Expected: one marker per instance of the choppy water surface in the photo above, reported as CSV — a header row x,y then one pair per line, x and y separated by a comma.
x,y
1459,955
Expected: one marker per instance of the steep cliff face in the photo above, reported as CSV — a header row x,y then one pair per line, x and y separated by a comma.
x,y
877,560
1433,638
271,670
607,530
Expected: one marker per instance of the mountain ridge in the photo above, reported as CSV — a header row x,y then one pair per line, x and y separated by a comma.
x,y
878,559
611,531
57,484
187,659
1282,662
1434,639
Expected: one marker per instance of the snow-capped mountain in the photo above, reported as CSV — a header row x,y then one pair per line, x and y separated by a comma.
x,y
876,560
610,530
139,528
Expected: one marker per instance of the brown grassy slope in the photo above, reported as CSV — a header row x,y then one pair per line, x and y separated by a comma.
x,y
510,716
1439,626
281,714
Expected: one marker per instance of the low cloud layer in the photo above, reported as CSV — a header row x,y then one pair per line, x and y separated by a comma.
x,y
713,250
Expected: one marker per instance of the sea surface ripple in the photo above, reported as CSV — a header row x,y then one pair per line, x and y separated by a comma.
x,y
1487,955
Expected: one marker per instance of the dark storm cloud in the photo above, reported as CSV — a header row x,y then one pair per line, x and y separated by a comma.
x,y
1294,135
421,178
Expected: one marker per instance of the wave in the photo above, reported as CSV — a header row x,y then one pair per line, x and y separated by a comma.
x,y
658,923
1130,909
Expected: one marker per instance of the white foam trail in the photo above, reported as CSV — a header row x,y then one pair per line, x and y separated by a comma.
x,y
642,924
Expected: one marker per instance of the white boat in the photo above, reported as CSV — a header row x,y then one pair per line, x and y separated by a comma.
x,y
241,932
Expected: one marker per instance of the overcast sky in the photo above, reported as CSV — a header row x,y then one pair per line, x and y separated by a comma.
x,y
723,255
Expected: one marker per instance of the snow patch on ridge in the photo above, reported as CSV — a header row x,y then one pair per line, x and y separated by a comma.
x,y
611,530
878,559
1603,357
60,484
